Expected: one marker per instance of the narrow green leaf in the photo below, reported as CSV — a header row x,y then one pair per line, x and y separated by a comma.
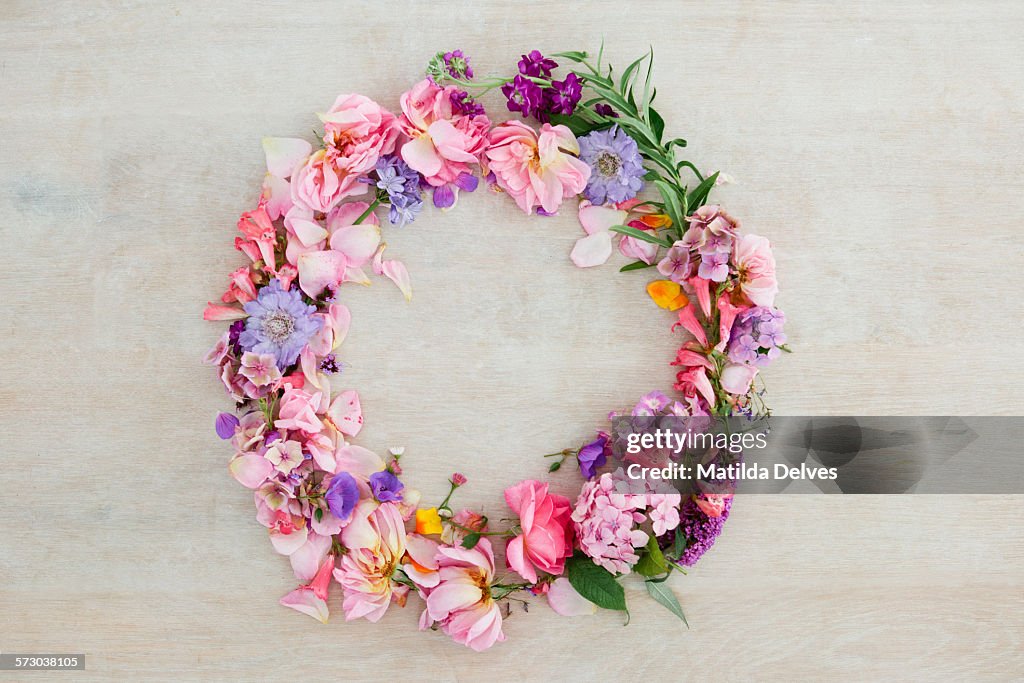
x,y
700,193
636,265
672,204
471,540
595,583
664,595
573,55
628,74
658,125
645,103
640,235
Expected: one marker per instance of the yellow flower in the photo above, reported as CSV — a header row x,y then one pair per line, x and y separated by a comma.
x,y
428,521
667,294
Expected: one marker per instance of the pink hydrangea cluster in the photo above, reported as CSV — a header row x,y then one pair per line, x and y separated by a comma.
x,y
606,522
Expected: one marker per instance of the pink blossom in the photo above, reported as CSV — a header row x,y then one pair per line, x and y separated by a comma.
x,y
546,538
321,183
461,602
311,599
241,288
442,146
299,411
564,600
260,369
712,504
284,455
537,170
279,511
736,377
663,510
375,539
752,256
360,130
605,524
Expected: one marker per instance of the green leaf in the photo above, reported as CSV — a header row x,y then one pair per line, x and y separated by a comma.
x,y
573,55
699,195
658,125
576,124
663,594
628,74
319,514
678,546
639,234
555,466
595,583
636,265
673,207
652,563
471,540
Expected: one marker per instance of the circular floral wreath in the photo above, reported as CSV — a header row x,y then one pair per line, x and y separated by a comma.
x,y
340,511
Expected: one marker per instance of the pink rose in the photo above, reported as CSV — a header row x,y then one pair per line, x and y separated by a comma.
x,y
299,411
537,170
360,130
753,258
546,540
441,145
323,181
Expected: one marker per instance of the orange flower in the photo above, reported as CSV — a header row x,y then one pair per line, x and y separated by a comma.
x,y
667,294
657,220
428,521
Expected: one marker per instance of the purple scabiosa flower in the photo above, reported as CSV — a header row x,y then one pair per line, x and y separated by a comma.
x,y
463,104
616,167
524,96
563,96
225,424
593,456
537,65
279,324
386,487
756,336
699,530
342,495
606,110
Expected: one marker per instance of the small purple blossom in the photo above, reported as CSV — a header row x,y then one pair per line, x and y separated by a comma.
x,y
651,404
279,324
563,96
225,424
714,266
234,332
330,364
605,110
386,486
463,104
616,167
756,336
699,530
457,65
537,65
593,456
401,184
342,495
524,96
678,264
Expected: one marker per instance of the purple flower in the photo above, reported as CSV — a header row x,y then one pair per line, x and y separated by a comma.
x,y
756,336
401,184
616,167
463,104
330,364
342,495
605,110
592,457
386,487
279,323
699,530
537,65
678,265
743,349
714,266
233,333
225,425
457,64
563,96
651,404
524,96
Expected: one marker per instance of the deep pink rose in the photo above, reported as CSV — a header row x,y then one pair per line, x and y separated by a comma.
x,y
546,538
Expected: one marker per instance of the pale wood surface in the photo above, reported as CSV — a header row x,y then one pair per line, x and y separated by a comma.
x,y
877,144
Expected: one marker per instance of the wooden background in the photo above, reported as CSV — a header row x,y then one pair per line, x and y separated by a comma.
x,y
878,145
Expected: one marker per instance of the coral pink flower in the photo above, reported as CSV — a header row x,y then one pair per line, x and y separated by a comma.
x,y
375,539
537,170
311,599
242,289
546,540
753,258
461,602
441,145
713,504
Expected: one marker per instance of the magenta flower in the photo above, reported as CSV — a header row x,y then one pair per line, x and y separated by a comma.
x,y
537,65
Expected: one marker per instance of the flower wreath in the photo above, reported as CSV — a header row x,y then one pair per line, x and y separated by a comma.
x,y
340,511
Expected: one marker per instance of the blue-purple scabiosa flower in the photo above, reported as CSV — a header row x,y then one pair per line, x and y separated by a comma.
x,y
616,167
279,324
342,495
386,487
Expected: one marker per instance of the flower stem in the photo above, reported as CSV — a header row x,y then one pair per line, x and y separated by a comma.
x,y
373,205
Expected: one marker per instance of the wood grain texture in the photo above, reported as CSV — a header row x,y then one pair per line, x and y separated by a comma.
x,y
878,145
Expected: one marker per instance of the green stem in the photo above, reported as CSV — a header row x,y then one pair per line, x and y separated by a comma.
x,y
373,205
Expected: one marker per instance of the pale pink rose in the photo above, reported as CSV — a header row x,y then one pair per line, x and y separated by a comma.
x,y
360,130
461,602
713,504
375,540
546,538
323,181
753,258
441,145
299,411
536,170
736,377
311,599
